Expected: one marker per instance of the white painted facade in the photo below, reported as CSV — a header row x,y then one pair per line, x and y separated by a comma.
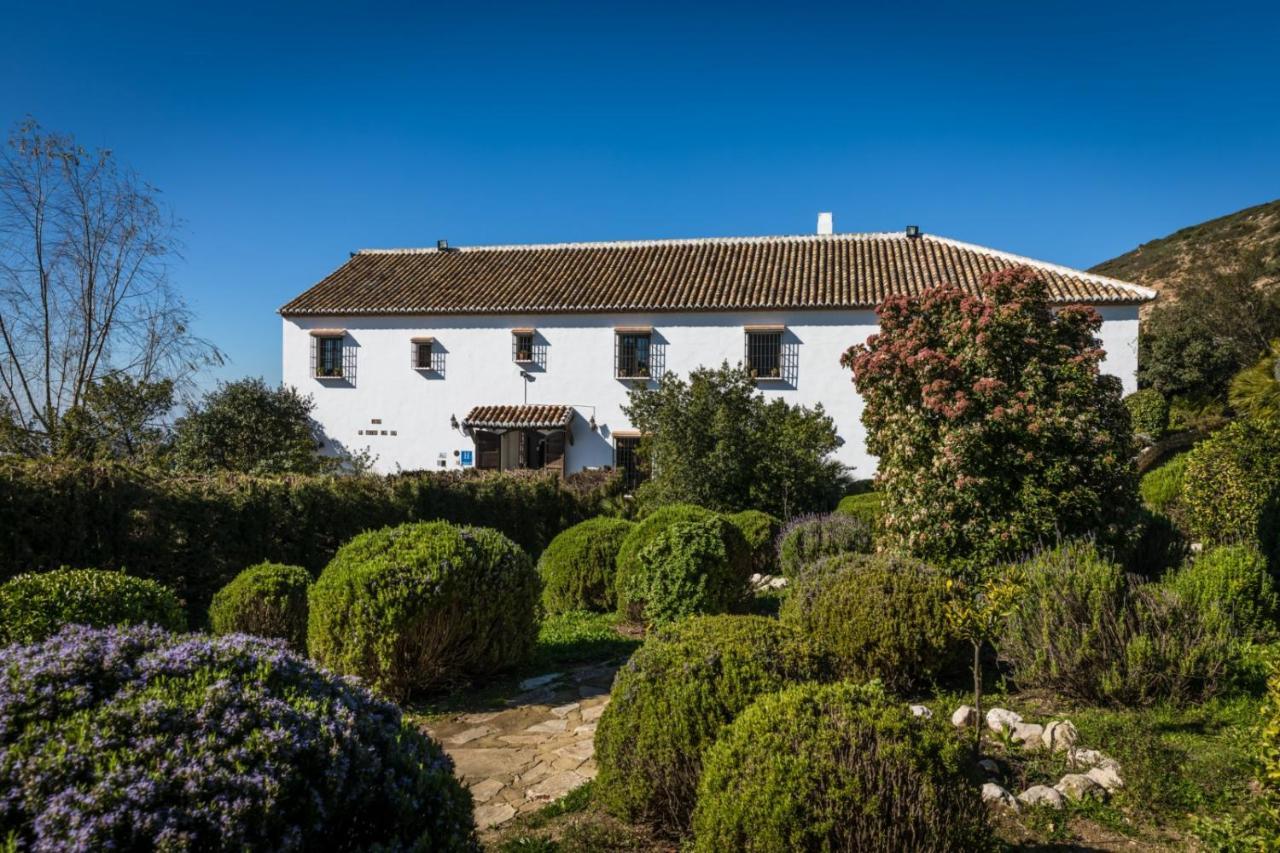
x,y
403,416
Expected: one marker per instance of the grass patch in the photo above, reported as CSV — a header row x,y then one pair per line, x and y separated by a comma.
x,y
582,637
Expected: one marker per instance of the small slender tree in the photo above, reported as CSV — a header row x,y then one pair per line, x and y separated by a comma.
x,y
994,427
714,440
976,613
85,249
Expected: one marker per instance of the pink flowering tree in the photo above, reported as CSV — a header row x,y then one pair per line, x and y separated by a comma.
x,y
995,431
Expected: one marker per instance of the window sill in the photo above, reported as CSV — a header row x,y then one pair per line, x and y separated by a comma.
x,y
768,379
643,376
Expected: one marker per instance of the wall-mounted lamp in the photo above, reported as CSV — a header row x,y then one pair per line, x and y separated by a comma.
x,y
592,422
453,421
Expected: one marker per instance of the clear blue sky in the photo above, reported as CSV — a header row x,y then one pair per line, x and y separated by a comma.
x,y
288,135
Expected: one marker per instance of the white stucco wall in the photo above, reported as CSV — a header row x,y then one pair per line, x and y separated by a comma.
x,y
577,353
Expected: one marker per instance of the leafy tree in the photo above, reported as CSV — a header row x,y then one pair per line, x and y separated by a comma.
x,y
994,427
121,418
1218,322
976,612
715,441
85,250
248,427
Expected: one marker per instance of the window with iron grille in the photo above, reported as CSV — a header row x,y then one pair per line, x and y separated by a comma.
x,y
626,459
764,354
422,355
522,346
327,357
631,354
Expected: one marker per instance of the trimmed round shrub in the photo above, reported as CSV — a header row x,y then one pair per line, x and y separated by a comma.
x,y
1084,630
418,605
1148,412
577,567
647,528
867,506
759,529
670,701
685,569
877,615
651,525
137,739
1231,487
1234,581
837,767
266,600
36,605
810,538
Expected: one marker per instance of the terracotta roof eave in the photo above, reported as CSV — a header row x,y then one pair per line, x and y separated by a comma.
x,y
637,309
830,272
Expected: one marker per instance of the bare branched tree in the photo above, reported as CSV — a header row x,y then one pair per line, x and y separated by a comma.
x,y
85,248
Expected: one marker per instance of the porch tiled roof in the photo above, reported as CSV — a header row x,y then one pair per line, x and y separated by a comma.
x,y
518,417
742,273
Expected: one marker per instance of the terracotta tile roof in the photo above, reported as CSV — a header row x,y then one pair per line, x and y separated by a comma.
x,y
518,417
828,271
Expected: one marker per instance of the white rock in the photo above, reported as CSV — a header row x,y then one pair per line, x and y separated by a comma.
x,y
1086,758
1060,736
993,793
777,582
1028,734
1108,777
1078,786
999,719
1042,795
921,711
964,717
989,767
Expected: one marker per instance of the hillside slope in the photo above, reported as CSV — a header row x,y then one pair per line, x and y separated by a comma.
x,y
1215,244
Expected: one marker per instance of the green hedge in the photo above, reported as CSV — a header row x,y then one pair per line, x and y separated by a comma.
x,y
266,600
1234,581
867,506
412,607
33,607
837,767
194,534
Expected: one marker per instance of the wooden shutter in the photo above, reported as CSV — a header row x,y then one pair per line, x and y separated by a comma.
x,y
488,451
555,451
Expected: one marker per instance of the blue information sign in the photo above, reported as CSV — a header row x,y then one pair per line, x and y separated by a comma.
x,y
465,458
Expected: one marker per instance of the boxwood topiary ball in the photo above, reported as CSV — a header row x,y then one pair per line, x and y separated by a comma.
x,y
418,605
837,767
759,529
36,605
670,701
878,616
578,566
137,739
686,569
266,600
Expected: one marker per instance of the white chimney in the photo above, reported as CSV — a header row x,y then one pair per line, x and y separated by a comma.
x,y
824,223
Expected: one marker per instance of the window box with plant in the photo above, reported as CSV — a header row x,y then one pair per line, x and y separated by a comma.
x,y
631,353
763,356
522,346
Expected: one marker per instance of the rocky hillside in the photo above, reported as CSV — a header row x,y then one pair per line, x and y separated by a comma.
x,y
1215,244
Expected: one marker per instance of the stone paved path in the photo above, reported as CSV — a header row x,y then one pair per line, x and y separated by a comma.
x,y
537,749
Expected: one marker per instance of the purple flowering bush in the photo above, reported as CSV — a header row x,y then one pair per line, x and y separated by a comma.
x,y
135,738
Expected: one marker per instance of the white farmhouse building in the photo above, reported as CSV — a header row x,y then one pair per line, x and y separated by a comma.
x,y
522,356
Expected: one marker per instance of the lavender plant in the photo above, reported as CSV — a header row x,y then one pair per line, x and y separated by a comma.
x,y
135,738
